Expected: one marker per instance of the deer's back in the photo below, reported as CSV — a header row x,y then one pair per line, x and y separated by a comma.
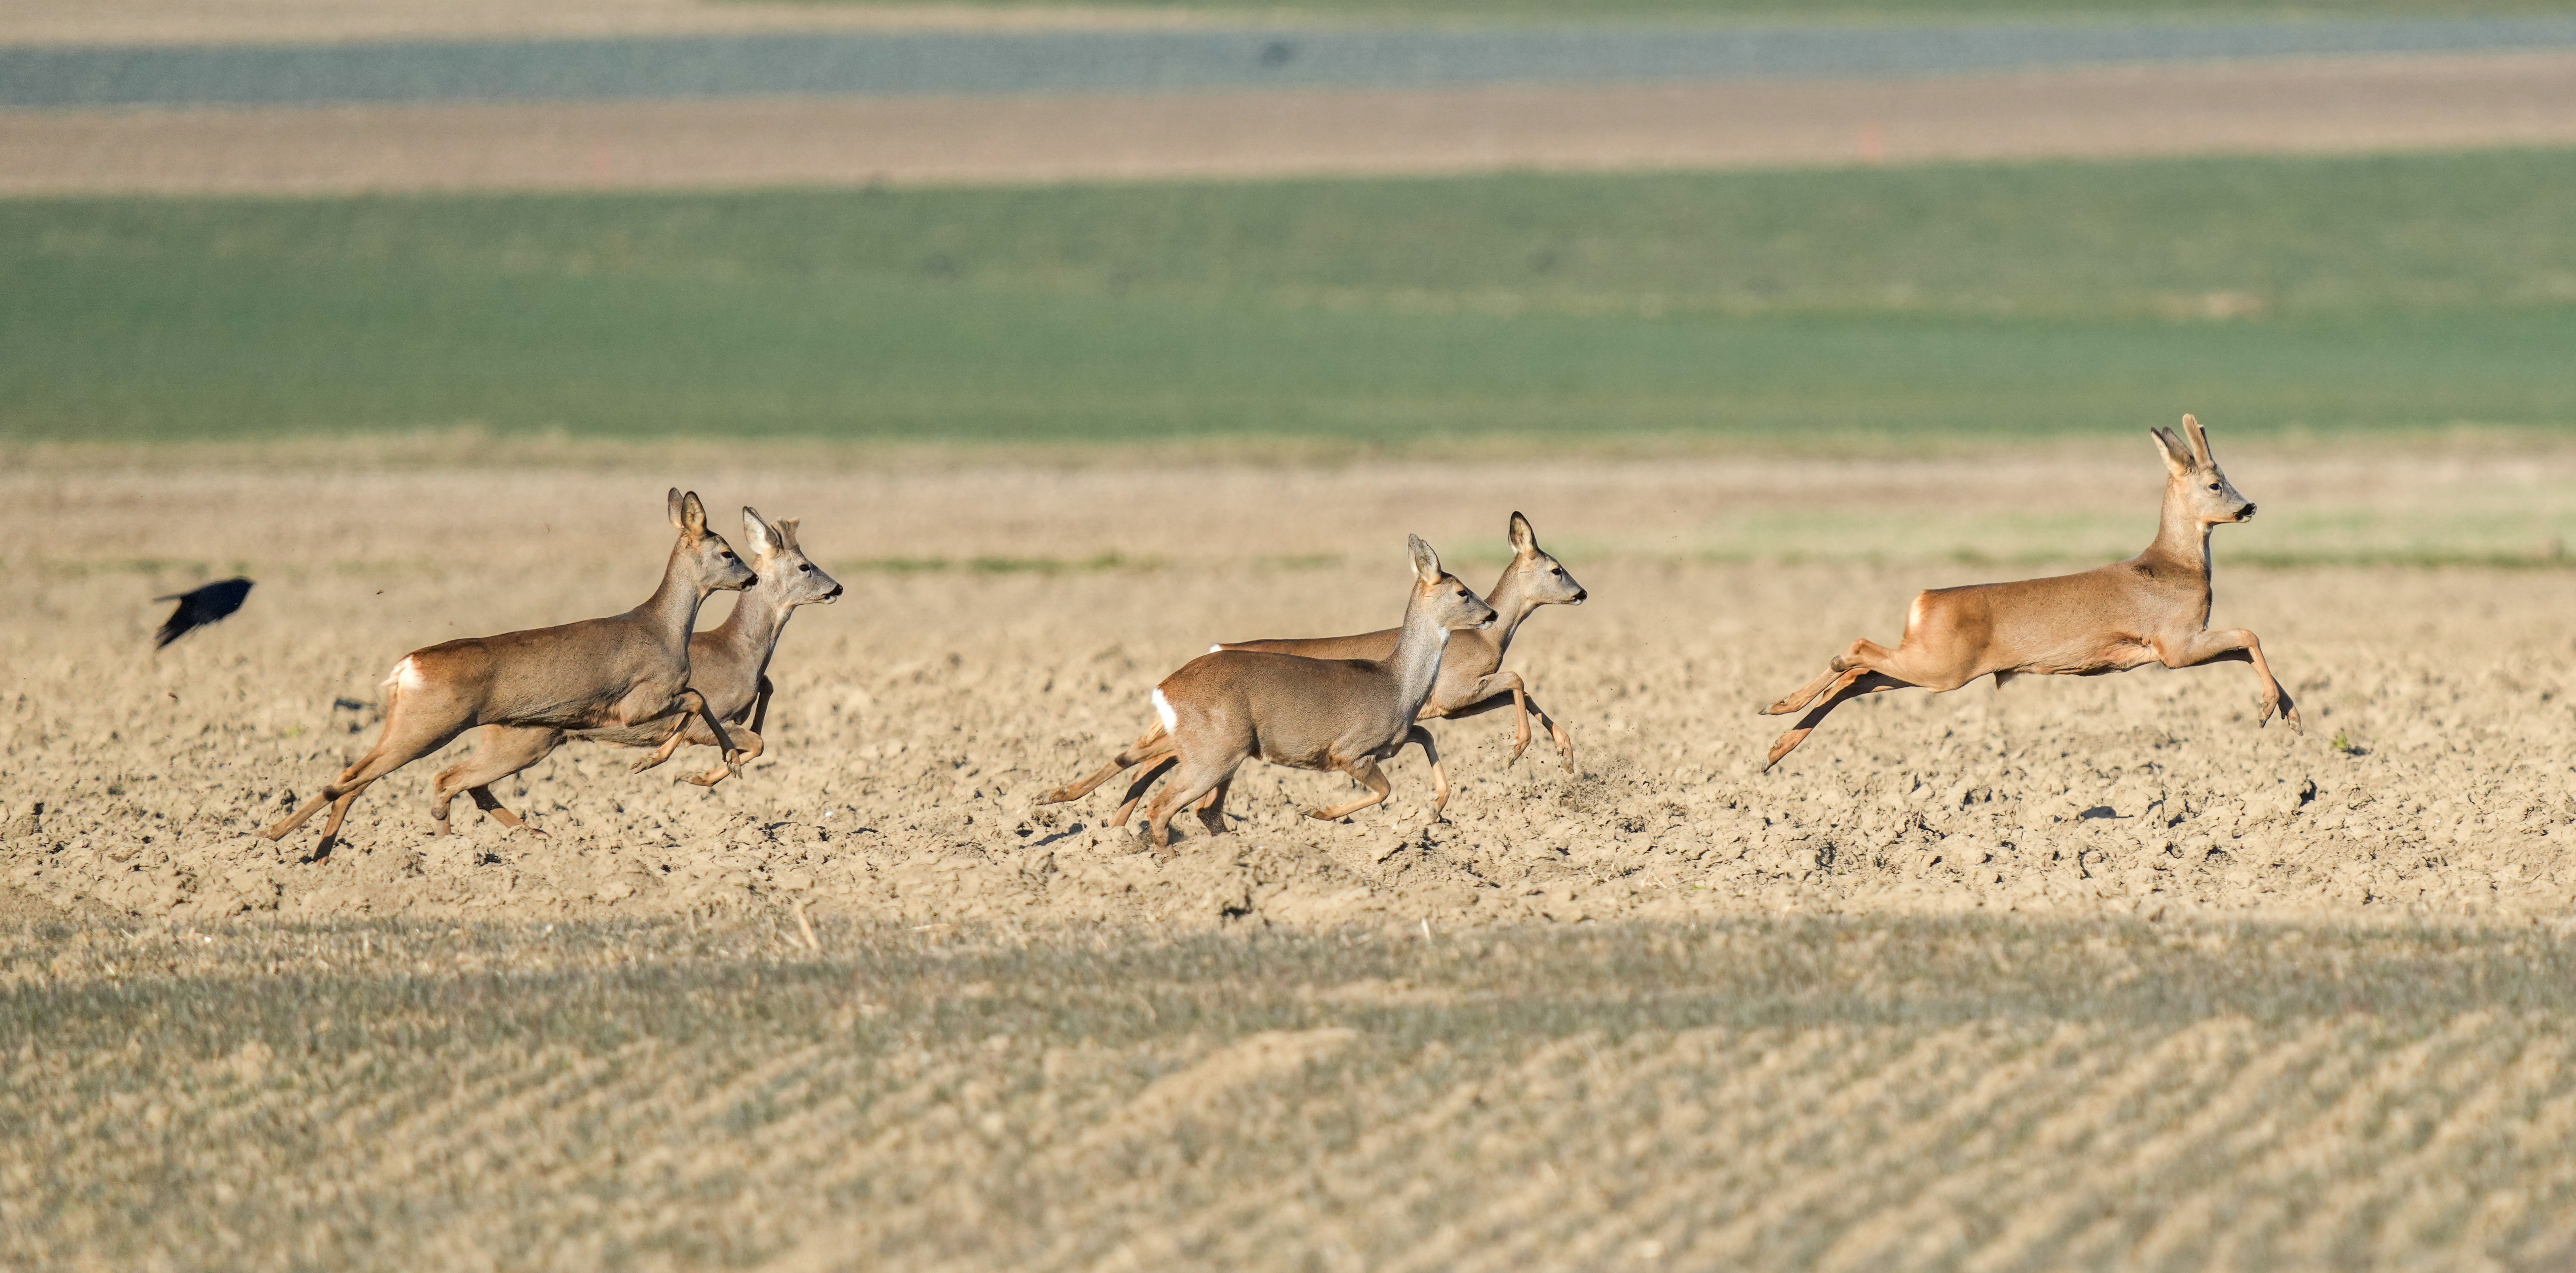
x,y
1379,646
1289,709
1470,656
2095,620
570,676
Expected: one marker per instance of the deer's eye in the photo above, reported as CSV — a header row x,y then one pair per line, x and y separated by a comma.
x,y
2213,486
726,556
806,569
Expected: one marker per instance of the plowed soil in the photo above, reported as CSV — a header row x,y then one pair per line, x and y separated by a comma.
x,y
1005,621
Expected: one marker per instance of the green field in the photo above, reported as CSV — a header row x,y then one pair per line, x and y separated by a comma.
x,y
2379,292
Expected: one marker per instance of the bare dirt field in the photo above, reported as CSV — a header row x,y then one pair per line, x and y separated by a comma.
x,y
2087,973
2303,106
1005,621
1743,1094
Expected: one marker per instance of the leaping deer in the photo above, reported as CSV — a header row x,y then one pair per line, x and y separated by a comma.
x,y
1226,706
728,666
626,669
1471,681
2152,608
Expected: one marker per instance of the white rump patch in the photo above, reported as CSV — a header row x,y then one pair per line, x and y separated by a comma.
x,y
403,677
1163,708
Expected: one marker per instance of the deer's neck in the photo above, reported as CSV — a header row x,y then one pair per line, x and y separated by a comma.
x,y
1511,603
672,611
754,625
2181,550
1416,662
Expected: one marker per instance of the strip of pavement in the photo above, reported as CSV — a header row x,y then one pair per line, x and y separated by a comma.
x,y
1135,61
2301,106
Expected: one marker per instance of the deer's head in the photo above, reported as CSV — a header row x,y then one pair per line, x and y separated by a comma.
x,y
787,575
1452,606
2196,480
708,560
1543,578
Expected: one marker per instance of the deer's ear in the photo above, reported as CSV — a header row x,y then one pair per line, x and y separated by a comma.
x,y
2199,441
674,507
1426,563
2177,456
786,528
693,514
1524,540
762,539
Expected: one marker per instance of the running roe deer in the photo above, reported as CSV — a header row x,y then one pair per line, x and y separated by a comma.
x,y
1471,682
728,666
625,669
1226,706
2152,608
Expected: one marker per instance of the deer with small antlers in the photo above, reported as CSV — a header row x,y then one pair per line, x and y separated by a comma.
x,y
728,667
2152,608
626,669
1471,680
1227,706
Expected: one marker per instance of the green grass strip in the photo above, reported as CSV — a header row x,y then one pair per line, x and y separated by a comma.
x,y
2379,292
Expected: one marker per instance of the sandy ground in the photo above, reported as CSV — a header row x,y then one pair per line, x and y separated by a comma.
x,y
1005,621
1853,1096
2088,973
133,22
2233,108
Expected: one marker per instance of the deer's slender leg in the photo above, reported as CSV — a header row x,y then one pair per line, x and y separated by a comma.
x,y
1183,792
1520,699
1366,772
1151,746
2232,645
1431,753
750,746
1439,779
491,804
693,711
760,705
1211,810
670,746
499,751
1863,655
1849,685
383,761
1487,695
1136,790
400,744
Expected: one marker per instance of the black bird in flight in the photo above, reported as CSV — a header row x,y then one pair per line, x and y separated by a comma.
x,y
199,607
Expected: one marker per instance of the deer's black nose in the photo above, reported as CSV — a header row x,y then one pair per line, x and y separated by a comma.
x,y
1582,595
834,594
2247,515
